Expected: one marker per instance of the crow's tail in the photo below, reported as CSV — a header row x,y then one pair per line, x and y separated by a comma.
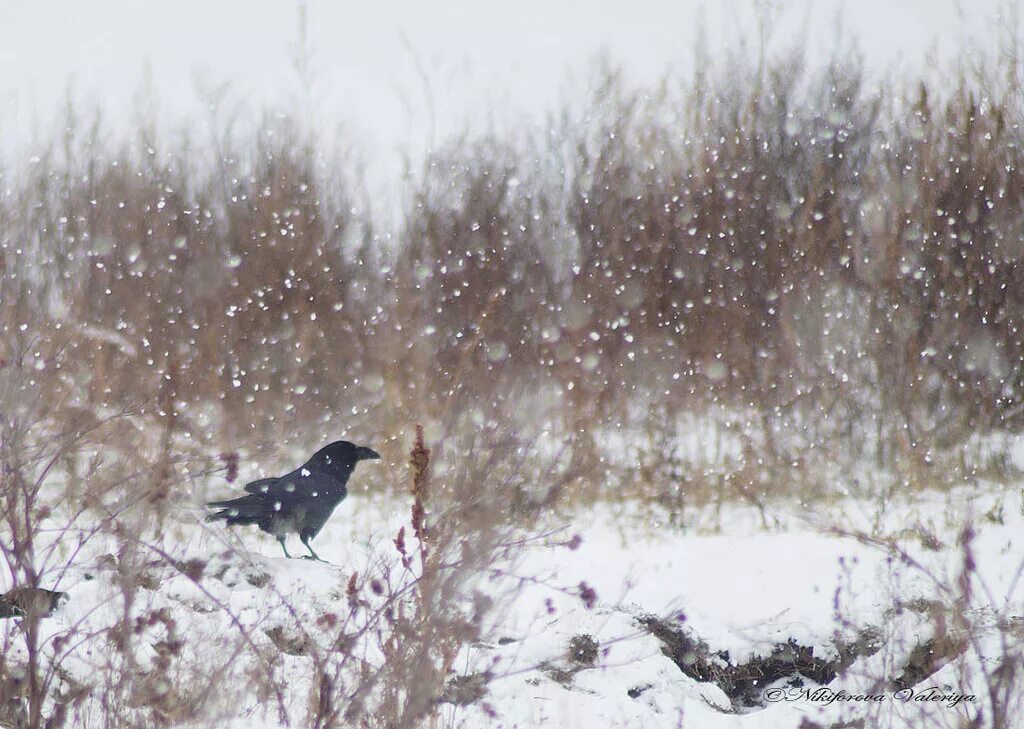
x,y
223,513
243,510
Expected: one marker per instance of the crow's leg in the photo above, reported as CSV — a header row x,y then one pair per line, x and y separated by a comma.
x,y
280,540
312,554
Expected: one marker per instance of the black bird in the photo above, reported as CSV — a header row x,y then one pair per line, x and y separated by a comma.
x,y
301,501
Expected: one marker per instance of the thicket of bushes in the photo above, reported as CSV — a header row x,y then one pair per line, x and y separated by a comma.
x,y
837,264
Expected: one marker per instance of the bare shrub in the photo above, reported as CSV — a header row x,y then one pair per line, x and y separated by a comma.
x,y
833,265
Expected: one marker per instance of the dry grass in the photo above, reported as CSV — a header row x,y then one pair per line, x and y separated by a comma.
x,y
832,267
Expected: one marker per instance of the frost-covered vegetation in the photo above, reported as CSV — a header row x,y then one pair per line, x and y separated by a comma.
x,y
770,299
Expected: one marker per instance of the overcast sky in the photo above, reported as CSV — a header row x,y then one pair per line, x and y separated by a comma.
x,y
393,72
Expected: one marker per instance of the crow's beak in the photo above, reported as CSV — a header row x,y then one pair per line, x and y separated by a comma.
x,y
367,454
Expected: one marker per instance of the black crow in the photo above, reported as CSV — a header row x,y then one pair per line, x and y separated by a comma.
x,y
25,602
300,501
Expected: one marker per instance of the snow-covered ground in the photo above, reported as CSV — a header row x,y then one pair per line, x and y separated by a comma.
x,y
740,589
745,591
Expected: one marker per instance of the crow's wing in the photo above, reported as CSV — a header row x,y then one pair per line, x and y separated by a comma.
x,y
297,487
290,482
260,486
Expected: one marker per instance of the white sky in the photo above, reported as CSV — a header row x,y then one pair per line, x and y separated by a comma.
x,y
483,60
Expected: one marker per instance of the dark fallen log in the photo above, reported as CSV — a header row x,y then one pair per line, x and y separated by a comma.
x,y
744,683
929,657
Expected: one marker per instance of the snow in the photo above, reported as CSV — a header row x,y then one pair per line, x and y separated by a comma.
x,y
741,589
742,593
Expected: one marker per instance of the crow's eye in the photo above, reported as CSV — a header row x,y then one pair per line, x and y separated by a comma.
x,y
264,489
